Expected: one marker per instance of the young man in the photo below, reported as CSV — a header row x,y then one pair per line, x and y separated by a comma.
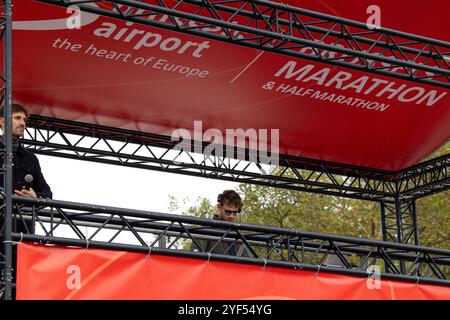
x,y
25,162
229,204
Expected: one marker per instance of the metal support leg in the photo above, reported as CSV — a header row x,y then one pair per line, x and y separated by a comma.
x,y
399,223
384,230
399,220
414,220
383,221
7,135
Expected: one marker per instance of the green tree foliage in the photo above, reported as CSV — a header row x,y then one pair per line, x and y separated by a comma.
x,y
433,214
204,209
309,212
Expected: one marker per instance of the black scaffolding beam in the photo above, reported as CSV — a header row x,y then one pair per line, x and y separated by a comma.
x,y
399,223
291,31
425,178
396,191
76,140
270,27
6,151
142,231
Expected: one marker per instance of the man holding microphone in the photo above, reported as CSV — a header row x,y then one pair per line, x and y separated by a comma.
x,y
28,180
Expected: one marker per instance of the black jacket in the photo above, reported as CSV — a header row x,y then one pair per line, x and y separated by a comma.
x,y
25,162
239,249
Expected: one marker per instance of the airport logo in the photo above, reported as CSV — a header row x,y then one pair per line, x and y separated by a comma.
x,y
75,19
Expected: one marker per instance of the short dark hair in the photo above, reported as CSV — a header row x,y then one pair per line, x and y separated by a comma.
x,y
230,197
15,108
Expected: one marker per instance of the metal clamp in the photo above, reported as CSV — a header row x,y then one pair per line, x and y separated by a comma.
x,y
265,263
149,253
15,242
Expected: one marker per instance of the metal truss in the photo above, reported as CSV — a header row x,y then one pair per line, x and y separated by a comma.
x,y
396,191
425,178
6,152
69,139
291,31
2,149
399,222
266,26
3,27
83,141
92,226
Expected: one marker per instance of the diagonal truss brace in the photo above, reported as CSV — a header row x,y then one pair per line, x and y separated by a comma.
x,y
291,31
275,246
75,140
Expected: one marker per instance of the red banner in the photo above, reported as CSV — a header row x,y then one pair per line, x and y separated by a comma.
x,y
52,272
132,76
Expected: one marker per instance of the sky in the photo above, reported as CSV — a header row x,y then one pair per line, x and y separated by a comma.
x,y
125,187
122,187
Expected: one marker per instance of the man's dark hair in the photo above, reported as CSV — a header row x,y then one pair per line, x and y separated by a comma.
x,y
230,197
15,108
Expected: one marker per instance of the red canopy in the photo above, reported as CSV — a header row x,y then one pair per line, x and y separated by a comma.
x,y
132,76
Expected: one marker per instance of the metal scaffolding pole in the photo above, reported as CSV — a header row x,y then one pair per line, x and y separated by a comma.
x,y
399,222
273,244
396,191
7,136
83,141
291,31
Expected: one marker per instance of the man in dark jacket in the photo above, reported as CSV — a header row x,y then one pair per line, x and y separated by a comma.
x,y
229,204
28,180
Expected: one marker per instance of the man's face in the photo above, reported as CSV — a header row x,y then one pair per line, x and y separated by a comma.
x,y
228,211
18,124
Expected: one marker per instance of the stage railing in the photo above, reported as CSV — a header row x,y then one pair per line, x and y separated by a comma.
x,y
94,226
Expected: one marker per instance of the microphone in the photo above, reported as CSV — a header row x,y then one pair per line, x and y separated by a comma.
x,y
28,181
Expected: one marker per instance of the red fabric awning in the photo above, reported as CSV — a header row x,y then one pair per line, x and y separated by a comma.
x,y
153,80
